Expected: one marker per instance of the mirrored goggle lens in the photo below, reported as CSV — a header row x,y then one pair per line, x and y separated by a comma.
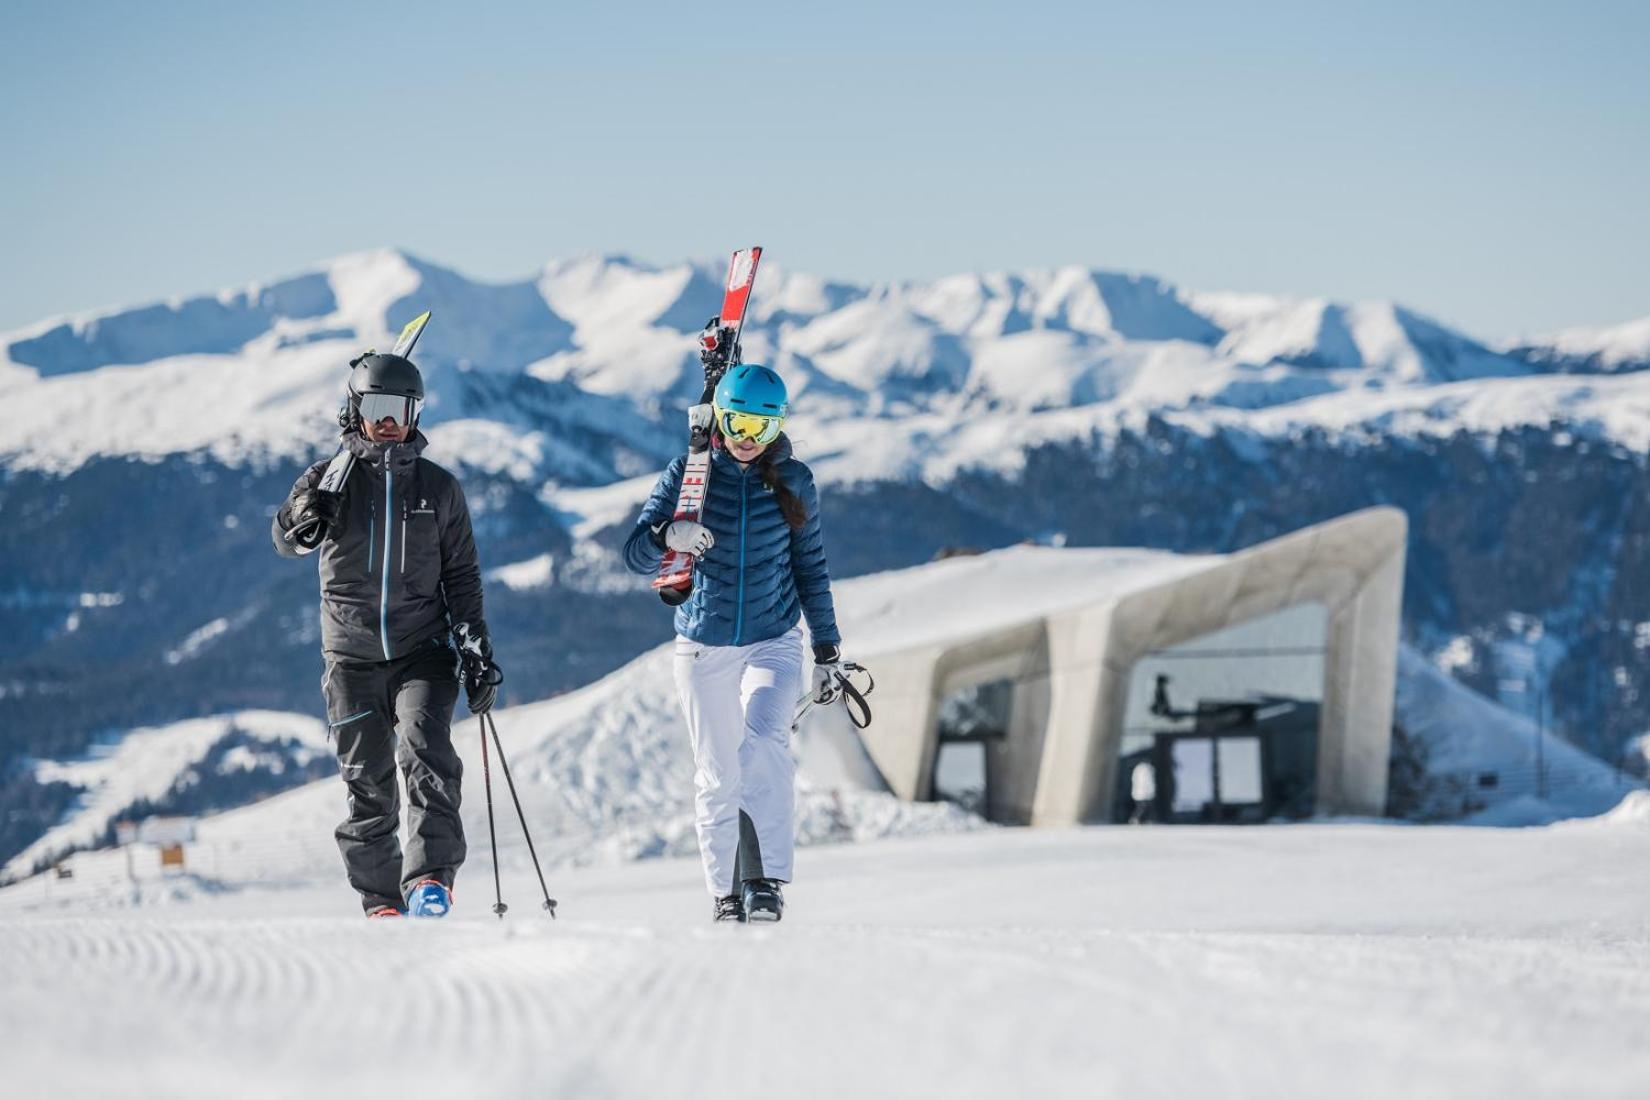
x,y
762,429
388,406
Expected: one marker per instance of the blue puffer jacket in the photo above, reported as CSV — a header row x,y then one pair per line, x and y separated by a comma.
x,y
761,575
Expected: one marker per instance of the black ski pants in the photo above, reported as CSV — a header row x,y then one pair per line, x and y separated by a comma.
x,y
385,714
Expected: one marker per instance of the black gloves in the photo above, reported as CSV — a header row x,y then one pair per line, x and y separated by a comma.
x,y
317,504
481,688
314,515
482,676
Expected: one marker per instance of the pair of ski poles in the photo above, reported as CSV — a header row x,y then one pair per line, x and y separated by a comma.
x,y
490,725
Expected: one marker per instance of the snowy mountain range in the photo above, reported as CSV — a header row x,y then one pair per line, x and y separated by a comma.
x,y
145,449
563,377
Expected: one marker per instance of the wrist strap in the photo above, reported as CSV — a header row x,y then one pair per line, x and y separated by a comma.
x,y
853,700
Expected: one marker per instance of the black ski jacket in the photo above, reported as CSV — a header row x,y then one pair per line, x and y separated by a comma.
x,y
399,569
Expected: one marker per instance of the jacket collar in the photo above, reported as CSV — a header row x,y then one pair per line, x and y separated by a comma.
x,y
382,456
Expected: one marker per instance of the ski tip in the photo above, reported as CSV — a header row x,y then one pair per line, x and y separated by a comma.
x,y
410,333
741,274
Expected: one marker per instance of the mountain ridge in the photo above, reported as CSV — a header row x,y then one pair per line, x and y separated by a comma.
x,y
609,342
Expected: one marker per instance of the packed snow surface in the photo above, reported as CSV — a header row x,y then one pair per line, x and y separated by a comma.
x,y
1345,961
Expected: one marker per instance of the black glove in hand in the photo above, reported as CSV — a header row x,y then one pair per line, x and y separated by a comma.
x,y
317,504
481,687
482,676
314,515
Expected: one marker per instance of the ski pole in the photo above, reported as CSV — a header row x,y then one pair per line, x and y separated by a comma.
x,y
488,721
492,836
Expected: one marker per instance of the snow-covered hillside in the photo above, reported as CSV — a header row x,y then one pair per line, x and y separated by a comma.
x,y
564,378
608,771
1608,350
146,766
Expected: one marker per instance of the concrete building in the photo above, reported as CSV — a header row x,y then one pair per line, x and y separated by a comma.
x,y
1042,668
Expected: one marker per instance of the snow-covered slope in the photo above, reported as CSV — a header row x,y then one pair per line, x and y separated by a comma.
x,y
1608,350
147,765
566,377
1299,963
1539,777
608,771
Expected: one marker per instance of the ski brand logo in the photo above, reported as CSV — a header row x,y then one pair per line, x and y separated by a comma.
x,y
423,508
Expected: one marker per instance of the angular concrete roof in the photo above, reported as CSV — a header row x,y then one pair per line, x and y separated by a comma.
x,y
1078,620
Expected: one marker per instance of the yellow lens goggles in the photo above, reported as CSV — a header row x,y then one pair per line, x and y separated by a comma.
x,y
743,426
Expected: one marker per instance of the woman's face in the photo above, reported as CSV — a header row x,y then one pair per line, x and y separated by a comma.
x,y
746,450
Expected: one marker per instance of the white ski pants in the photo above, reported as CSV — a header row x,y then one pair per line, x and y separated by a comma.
x,y
739,702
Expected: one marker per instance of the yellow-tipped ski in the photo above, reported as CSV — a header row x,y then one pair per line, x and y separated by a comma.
x,y
409,335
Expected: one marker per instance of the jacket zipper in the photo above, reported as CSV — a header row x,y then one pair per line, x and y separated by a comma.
x,y
403,537
744,498
384,590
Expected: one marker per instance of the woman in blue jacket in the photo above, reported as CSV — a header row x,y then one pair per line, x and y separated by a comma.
x,y
739,664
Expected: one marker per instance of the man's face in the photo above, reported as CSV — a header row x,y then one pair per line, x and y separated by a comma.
x,y
386,430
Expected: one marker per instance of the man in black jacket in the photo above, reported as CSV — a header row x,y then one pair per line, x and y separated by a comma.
x,y
398,576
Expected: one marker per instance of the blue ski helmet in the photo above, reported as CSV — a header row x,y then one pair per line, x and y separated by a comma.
x,y
751,403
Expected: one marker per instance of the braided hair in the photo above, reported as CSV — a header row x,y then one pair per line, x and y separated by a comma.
x,y
790,505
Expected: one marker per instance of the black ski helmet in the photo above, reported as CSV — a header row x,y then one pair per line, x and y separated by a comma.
x,y
380,373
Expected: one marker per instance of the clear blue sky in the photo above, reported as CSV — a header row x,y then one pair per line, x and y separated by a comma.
x,y
1486,163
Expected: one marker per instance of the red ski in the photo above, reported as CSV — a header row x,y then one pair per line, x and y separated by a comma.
x,y
718,350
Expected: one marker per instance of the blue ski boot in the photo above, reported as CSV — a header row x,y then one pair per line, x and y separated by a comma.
x,y
763,901
429,899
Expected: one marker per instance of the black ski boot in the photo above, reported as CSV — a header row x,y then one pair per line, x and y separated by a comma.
x,y
729,908
763,901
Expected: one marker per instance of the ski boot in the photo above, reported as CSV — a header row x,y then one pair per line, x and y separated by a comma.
x,y
378,912
429,898
729,908
763,901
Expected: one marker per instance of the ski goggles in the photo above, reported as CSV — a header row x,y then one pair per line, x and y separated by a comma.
x,y
749,426
375,407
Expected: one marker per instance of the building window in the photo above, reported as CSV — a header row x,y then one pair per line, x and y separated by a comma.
x,y
960,775
974,723
1227,723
